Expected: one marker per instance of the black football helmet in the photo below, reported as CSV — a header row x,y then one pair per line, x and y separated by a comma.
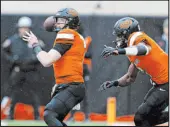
x,y
71,15
123,28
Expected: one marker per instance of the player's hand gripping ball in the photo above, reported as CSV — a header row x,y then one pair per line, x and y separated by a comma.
x,y
49,24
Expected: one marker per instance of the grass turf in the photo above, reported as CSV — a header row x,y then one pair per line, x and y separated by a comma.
x,y
42,123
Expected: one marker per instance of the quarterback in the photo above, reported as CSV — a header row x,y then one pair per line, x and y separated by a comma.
x,y
66,56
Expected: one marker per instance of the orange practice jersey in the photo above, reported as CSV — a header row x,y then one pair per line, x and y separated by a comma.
x,y
155,63
87,61
69,68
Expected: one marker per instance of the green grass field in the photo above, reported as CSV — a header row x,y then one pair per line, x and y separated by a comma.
x,y
42,123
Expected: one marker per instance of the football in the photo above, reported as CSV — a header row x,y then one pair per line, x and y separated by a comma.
x,y
49,23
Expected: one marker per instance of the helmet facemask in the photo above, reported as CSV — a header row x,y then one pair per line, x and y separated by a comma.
x,y
60,24
121,41
71,16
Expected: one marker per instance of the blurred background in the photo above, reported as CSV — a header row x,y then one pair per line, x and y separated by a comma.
x,y
97,18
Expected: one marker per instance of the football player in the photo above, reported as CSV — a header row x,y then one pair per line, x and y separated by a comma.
x,y
23,62
144,55
67,57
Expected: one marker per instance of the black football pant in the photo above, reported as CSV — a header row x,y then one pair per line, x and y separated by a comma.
x,y
15,88
64,98
84,103
150,112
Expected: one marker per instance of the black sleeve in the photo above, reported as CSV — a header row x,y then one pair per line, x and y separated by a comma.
x,y
62,48
88,55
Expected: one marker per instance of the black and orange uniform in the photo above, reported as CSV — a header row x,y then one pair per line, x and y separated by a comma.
x,y
146,55
86,71
69,68
69,89
88,55
87,68
156,57
155,64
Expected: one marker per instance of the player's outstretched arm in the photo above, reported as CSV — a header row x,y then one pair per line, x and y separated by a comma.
x,y
136,50
46,58
125,80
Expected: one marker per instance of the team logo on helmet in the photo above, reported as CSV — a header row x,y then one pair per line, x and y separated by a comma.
x,y
126,24
73,12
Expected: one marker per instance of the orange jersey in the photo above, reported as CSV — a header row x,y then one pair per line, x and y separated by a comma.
x,y
88,40
87,61
69,68
155,63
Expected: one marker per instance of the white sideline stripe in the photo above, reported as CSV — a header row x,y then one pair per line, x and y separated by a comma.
x,y
66,36
133,38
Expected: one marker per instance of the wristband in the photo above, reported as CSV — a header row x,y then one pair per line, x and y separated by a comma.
x,y
122,51
115,83
36,48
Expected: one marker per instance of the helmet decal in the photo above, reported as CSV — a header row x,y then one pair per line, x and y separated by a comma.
x,y
126,24
123,28
73,12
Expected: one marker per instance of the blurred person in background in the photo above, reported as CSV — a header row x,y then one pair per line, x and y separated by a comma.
x,y
23,63
163,40
145,56
66,56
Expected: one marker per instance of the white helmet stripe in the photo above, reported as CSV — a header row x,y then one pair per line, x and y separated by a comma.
x,y
133,38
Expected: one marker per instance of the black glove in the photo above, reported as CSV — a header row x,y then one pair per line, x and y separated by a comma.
x,y
108,84
107,51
